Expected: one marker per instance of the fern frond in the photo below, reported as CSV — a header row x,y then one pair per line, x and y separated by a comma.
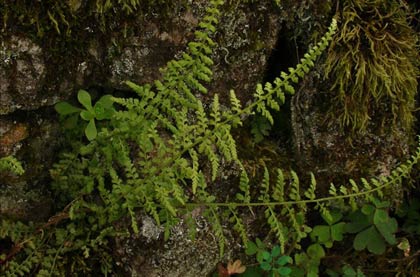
x,y
244,187
238,225
310,192
11,164
278,192
265,187
276,226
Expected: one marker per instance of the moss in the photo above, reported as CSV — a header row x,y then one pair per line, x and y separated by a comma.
x,y
65,28
373,66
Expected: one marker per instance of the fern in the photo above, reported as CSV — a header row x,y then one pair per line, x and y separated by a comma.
x,y
11,164
271,96
174,134
278,206
152,156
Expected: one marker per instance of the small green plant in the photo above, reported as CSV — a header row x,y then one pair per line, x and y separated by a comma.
x,y
307,262
11,164
103,109
272,261
327,234
373,226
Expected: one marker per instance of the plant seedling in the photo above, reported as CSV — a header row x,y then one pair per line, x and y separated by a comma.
x,y
102,110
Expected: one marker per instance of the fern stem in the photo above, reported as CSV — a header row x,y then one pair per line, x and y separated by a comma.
x,y
308,201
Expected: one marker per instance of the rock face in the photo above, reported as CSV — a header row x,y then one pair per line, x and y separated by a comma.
x,y
321,147
148,255
22,71
33,141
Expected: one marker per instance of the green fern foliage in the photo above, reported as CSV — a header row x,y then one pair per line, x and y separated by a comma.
x,y
152,154
160,152
11,164
272,95
285,202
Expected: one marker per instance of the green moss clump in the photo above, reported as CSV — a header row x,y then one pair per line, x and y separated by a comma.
x,y
373,66
65,17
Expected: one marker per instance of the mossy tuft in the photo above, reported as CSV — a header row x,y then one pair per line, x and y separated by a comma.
x,y
373,65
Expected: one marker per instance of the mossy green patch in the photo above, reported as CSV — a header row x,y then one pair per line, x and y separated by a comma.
x,y
373,66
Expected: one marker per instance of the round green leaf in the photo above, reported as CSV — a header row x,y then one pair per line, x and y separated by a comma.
x,y
359,222
337,231
362,238
376,244
251,248
106,101
283,260
284,271
90,130
322,232
275,252
266,256
388,229
84,99
265,266
316,251
380,216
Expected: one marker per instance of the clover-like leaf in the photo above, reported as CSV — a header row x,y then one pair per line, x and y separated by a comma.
x,y
337,231
322,232
380,216
387,229
316,251
371,239
359,222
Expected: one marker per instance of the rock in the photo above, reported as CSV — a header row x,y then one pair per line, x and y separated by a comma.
x,y
147,254
33,141
331,154
22,73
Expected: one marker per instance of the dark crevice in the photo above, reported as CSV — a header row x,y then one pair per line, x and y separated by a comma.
x,y
283,56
